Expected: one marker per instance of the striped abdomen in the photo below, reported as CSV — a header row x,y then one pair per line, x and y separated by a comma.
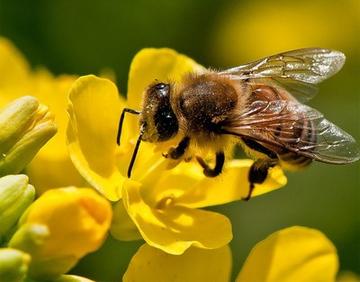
x,y
298,133
301,135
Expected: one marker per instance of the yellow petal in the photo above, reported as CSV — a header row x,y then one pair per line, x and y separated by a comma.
x,y
174,229
14,69
152,64
52,166
17,80
94,110
231,185
292,254
159,182
47,173
53,92
195,265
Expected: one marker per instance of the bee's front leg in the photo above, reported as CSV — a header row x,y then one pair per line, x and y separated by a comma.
x,y
212,172
258,173
178,151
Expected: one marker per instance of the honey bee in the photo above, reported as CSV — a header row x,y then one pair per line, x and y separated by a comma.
x,y
259,104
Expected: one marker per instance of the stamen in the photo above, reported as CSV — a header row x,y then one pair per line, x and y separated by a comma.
x,y
164,202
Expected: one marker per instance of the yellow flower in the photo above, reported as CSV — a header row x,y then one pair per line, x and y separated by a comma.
x,y
160,205
61,227
165,205
294,254
52,166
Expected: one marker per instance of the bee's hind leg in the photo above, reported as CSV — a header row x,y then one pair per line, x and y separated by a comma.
x,y
212,172
258,173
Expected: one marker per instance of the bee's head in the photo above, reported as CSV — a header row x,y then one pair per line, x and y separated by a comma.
x,y
158,121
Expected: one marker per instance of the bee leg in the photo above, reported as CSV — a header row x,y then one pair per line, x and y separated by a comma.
x,y
258,173
179,150
212,172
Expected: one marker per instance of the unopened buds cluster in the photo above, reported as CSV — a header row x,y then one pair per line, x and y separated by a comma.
x,y
54,232
61,227
25,126
42,239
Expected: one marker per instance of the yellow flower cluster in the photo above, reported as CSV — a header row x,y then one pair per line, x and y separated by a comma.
x,y
44,238
77,219
54,233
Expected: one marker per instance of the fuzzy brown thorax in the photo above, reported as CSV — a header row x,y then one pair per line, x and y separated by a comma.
x,y
204,103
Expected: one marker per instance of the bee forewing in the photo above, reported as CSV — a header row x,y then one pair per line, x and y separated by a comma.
x,y
274,123
310,65
299,90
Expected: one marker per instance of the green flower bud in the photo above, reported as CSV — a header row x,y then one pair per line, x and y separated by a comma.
x,y
72,278
15,196
13,265
29,238
25,126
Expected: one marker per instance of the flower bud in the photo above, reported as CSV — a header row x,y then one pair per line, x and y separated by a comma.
x,y
60,227
13,265
72,278
25,126
15,196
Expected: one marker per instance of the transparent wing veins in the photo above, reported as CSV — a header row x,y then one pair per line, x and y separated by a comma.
x,y
296,71
311,65
273,122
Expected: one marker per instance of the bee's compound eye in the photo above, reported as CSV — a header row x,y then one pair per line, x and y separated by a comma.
x,y
160,86
162,89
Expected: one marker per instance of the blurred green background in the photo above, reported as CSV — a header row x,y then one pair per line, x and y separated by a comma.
x,y
82,37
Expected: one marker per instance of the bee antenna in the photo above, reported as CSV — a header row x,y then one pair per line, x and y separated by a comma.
x,y
133,157
121,121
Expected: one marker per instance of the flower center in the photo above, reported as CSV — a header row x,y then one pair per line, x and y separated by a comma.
x,y
164,203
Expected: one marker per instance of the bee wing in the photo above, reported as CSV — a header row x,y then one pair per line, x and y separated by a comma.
x,y
301,91
273,123
297,71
